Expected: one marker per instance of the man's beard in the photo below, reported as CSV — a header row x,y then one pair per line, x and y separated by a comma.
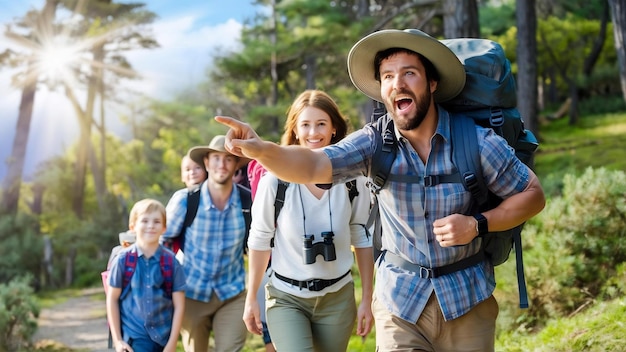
x,y
221,180
422,103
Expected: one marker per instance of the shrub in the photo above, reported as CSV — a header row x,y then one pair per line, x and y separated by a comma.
x,y
570,250
602,104
595,213
21,248
18,314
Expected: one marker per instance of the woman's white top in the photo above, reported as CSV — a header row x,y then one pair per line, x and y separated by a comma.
x,y
348,225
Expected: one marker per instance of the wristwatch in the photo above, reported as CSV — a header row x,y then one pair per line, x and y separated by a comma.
x,y
481,224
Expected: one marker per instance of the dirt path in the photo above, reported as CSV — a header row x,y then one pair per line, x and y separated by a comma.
x,y
78,323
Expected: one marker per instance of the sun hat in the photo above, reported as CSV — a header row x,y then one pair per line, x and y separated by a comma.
x,y
198,153
361,61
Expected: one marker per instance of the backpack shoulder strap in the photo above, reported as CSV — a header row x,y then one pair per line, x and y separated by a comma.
x,y
130,264
385,153
466,157
246,204
378,173
245,197
193,202
167,270
352,190
279,201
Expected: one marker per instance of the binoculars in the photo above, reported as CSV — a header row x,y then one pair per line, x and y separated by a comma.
x,y
326,248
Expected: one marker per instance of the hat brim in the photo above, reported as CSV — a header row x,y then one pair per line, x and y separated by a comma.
x,y
361,61
197,154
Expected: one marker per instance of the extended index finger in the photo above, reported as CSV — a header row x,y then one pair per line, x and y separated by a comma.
x,y
229,122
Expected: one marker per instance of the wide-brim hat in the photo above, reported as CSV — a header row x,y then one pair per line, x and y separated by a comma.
x,y
361,61
198,153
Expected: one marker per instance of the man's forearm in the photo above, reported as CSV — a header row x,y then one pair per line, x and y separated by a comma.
x,y
296,164
290,163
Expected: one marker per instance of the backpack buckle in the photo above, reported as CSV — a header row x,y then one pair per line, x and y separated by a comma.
x,y
497,117
431,180
425,273
375,184
315,285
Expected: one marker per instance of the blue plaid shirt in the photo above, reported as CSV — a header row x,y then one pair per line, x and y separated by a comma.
x,y
408,211
144,310
213,245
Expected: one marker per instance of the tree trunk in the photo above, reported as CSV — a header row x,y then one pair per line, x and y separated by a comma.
x,y
596,50
80,168
618,15
309,62
69,266
97,168
82,154
48,267
460,19
273,68
527,96
13,181
573,108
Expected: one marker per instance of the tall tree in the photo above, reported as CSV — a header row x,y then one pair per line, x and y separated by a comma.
x,y
578,37
39,24
527,63
460,19
111,28
618,15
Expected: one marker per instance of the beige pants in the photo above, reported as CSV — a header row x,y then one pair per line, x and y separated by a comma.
x,y
224,318
474,331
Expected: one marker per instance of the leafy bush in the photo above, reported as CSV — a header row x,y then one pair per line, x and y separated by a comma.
x,y
616,285
21,248
602,104
570,250
18,314
595,213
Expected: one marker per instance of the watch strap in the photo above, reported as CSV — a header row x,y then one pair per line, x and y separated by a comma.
x,y
481,224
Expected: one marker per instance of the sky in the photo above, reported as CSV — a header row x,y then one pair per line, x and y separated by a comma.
x,y
188,32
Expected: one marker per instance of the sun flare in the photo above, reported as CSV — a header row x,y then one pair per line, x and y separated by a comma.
x,y
57,60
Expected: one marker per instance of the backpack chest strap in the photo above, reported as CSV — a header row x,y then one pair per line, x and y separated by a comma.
x,y
427,181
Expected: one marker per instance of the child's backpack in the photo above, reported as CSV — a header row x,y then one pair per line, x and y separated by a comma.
x,y
488,99
193,201
130,264
166,262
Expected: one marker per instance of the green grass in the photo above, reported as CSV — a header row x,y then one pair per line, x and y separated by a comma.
x,y
600,328
51,298
597,141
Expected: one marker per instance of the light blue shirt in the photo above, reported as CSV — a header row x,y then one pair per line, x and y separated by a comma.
x,y
408,211
144,309
213,245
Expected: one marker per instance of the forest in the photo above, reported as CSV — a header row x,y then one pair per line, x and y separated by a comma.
x,y
57,227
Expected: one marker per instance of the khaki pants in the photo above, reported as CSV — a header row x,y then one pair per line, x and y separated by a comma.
x,y
322,324
224,318
474,331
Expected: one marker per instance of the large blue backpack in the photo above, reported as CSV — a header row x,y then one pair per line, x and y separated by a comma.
x,y
488,99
